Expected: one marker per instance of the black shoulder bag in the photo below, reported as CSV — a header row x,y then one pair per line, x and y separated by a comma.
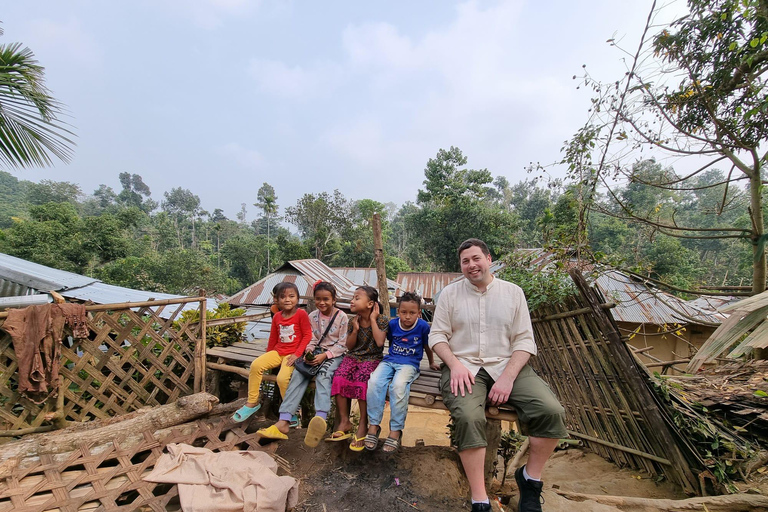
x,y
309,370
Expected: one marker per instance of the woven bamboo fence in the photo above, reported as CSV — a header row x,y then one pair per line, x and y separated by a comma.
x,y
133,358
607,400
111,479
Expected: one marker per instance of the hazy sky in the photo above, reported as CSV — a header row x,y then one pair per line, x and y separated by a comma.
x,y
219,96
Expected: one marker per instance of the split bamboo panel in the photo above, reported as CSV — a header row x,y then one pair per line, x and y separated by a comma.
x,y
133,358
604,403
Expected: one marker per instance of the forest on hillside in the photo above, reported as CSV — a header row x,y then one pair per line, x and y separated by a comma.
x,y
167,242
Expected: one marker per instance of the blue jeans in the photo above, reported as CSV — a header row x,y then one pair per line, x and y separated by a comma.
x,y
299,383
396,378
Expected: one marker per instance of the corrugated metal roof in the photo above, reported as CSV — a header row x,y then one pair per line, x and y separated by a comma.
x,y
19,274
426,284
364,276
638,302
39,277
304,273
317,270
11,289
103,293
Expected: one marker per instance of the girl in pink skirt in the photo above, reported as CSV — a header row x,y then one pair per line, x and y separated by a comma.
x,y
365,344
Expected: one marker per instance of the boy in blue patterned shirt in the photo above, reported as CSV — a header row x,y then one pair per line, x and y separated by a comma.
x,y
408,337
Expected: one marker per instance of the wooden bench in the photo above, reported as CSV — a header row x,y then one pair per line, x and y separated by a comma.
x,y
425,390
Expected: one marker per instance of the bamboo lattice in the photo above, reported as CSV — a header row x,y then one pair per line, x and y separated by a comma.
x,y
111,479
133,358
600,400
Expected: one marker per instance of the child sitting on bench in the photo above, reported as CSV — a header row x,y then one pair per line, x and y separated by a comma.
x,y
408,337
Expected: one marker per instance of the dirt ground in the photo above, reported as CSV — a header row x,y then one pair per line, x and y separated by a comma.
x,y
429,478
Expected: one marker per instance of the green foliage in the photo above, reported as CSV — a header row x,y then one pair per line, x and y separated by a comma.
x,y
454,207
510,444
55,235
394,265
48,191
552,286
13,195
726,458
695,91
219,335
321,218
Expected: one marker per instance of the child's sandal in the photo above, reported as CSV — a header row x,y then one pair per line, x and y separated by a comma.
x,y
372,440
391,445
245,412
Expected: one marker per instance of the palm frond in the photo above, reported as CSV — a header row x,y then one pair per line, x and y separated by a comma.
x,y
30,130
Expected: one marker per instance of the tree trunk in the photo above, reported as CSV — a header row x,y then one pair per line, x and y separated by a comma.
x,y
184,409
758,231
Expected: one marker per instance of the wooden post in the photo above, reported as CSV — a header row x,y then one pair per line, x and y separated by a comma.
x,y
624,359
493,438
200,346
381,271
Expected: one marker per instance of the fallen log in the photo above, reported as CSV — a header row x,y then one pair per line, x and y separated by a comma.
x,y
8,466
183,410
724,503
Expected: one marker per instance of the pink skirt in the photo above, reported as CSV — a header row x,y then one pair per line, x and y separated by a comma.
x,y
351,378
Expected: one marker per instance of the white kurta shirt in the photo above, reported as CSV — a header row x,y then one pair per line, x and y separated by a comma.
x,y
483,328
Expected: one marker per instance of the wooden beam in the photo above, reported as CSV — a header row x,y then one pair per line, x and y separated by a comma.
x,y
378,253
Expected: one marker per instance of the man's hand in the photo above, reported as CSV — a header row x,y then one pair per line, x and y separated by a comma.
x,y
500,391
461,379
291,359
318,359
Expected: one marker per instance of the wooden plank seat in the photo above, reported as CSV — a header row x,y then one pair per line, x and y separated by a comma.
x,y
425,390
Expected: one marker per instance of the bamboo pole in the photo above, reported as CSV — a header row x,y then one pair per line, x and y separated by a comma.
x,y
130,305
200,345
591,439
234,319
381,271
667,363
575,312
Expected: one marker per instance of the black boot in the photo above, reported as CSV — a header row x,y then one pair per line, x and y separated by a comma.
x,y
530,493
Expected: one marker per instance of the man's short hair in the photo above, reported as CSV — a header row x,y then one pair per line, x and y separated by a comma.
x,y
409,297
474,242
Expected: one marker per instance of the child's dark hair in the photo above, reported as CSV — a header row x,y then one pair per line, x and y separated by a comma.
x,y
324,285
281,288
373,294
409,297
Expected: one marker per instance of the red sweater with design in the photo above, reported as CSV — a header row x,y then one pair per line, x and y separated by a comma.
x,y
291,335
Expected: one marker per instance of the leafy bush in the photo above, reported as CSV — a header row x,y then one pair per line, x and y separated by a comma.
x,y
219,335
552,285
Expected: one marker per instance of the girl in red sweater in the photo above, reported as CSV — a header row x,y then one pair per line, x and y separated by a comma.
x,y
288,339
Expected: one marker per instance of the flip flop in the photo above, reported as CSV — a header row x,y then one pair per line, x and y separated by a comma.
x,y
372,440
245,412
339,435
315,431
392,444
357,448
271,432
